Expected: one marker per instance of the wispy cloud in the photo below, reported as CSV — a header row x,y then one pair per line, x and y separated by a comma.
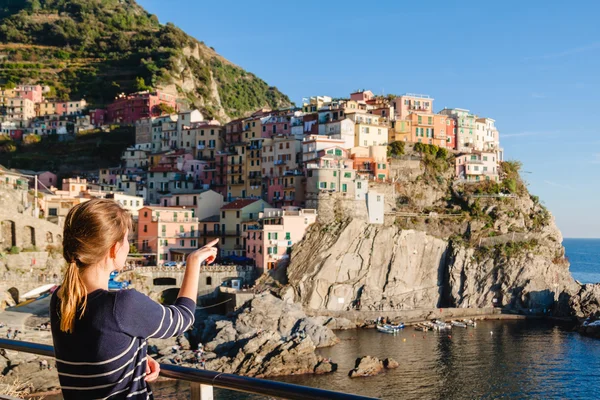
x,y
538,95
559,185
566,53
526,133
596,158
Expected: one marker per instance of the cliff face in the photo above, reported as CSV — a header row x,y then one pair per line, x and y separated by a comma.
x,y
462,249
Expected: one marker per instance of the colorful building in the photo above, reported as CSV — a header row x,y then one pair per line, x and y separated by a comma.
x,y
410,103
234,216
167,233
126,109
31,92
477,166
270,240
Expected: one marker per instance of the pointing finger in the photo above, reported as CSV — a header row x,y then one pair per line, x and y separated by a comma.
x,y
212,243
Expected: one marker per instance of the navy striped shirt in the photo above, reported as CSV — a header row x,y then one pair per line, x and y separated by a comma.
x,y
105,356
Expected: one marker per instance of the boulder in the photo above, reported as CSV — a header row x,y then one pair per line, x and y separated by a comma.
x,y
366,366
325,367
390,363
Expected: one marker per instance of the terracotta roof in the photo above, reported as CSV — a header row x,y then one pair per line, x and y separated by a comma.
x,y
238,204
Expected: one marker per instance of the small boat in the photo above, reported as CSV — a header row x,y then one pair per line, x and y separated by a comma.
x,y
441,325
399,326
383,329
429,325
470,322
421,327
458,324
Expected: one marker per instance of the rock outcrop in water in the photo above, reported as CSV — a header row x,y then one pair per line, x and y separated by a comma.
x,y
469,249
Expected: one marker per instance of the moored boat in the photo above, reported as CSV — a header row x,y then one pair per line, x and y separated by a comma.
x,y
458,324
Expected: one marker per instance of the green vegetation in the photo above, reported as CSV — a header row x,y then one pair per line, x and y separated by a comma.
x,y
14,250
395,149
435,159
83,152
99,48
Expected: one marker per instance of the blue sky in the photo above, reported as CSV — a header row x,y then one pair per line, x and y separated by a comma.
x,y
532,66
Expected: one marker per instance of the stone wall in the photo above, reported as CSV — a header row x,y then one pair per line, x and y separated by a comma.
x,y
409,316
18,227
154,280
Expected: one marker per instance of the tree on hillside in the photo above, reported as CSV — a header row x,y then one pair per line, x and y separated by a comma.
x,y
396,149
164,109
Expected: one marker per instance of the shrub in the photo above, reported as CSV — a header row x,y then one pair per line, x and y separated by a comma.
x,y
15,250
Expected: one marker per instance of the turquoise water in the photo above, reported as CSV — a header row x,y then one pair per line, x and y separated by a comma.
x,y
584,256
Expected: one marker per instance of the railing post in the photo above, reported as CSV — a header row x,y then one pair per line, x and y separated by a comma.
x,y
201,392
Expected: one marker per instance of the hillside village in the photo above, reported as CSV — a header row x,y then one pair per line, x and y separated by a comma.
x,y
254,182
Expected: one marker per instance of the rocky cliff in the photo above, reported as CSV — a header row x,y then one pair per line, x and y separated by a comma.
x,y
443,244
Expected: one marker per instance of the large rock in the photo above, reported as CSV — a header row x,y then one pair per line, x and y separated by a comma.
x,y
386,268
366,366
266,337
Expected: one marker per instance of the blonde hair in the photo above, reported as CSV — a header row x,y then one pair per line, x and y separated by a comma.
x,y
91,229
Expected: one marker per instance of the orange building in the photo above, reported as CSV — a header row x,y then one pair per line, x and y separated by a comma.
x,y
428,128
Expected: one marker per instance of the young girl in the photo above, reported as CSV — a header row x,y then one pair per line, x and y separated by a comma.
x,y
100,336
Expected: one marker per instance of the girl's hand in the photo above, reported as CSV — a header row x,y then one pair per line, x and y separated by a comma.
x,y
152,369
208,253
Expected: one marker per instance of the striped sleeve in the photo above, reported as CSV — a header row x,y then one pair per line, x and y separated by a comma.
x,y
139,316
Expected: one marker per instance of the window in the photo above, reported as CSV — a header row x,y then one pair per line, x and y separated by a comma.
x,y
347,174
264,128
287,236
334,173
145,228
332,185
338,152
484,158
344,188
222,214
237,214
322,185
330,151
358,185
182,243
420,120
209,280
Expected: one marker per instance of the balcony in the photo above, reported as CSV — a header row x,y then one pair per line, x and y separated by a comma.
x,y
193,234
201,147
238,182
279,162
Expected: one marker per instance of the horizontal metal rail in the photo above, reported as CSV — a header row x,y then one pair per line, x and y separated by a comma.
x,y
211,378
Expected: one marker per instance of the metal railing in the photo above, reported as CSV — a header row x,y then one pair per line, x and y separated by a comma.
x,y
203,381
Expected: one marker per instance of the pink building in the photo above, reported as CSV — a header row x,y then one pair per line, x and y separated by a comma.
x,y
98,117
46,179
69,107
477,166
409,103
31,92
167,233
269,243
275,125
362,95
130,108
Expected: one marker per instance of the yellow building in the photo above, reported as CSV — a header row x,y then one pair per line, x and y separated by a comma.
x,y
400,131
45,108
234,218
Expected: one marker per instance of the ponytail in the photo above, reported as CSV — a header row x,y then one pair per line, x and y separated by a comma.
x,y
73,297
